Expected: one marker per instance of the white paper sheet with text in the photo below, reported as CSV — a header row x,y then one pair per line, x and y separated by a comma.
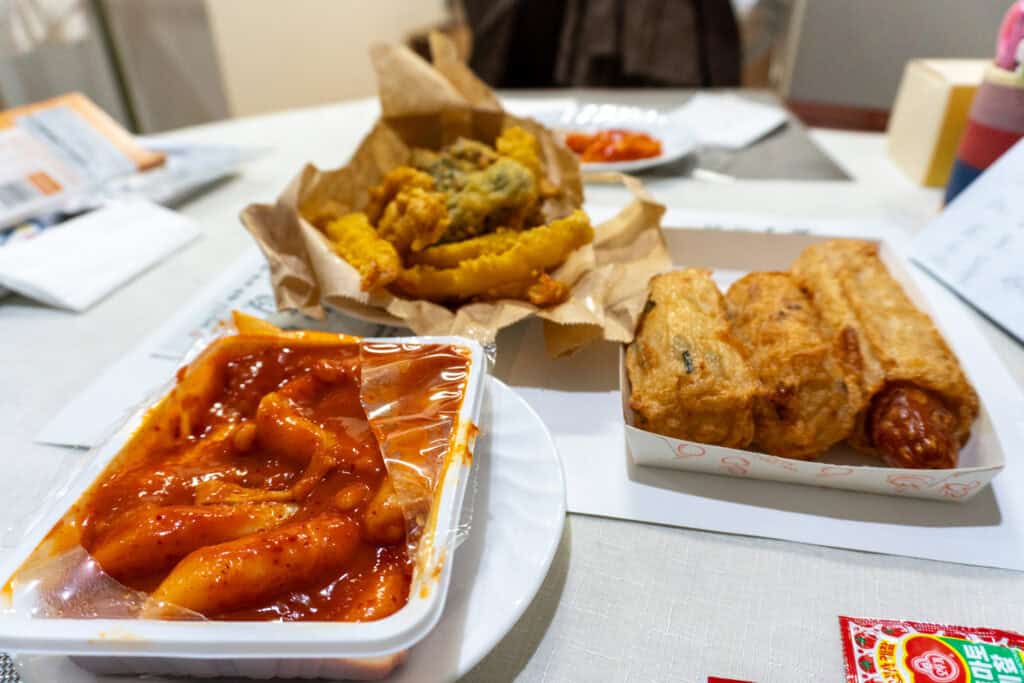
x,y
976,245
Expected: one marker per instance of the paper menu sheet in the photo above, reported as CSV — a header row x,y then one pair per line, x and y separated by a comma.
x,y
976,245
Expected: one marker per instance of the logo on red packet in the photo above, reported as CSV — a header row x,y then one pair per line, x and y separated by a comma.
x,y
932,661
892,651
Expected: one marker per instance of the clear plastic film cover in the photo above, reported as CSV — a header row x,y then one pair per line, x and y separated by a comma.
x,y
284,475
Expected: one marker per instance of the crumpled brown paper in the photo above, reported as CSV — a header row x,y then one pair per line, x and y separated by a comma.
x,y
425,105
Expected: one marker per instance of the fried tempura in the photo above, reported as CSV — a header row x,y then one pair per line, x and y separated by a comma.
x,y
521,145
414,219
450,255
917,407
450,166
501,195
474,155
547,291
689,378
807,401
355,240
490,275
394,181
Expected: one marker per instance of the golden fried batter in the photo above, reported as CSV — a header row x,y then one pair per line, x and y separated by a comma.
x,y
806,403
521,145
450,166
393,182
355,240
688,377
451,254
891,345
414,219
547,291
501,195
535,251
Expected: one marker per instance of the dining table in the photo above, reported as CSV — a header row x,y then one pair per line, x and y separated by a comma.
x,y
623,601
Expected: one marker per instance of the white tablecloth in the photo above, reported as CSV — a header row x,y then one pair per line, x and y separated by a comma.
x,y
623,602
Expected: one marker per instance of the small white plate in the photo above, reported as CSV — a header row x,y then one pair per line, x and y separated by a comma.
x,y
518,515
677,140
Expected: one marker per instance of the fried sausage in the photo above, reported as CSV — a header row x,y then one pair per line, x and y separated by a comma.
x,y
892,347
912,428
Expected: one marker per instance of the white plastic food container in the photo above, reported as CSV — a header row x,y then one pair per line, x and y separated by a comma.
x,y
732,254
257,649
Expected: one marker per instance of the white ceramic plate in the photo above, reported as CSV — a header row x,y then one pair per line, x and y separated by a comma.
x,y
676,139
517,522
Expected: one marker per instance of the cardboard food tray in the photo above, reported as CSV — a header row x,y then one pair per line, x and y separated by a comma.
x,y
732,254
256,649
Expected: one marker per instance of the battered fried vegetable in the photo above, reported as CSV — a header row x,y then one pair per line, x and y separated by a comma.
x,y
450,255
520,144
472,154
501,195
414,219
688,377
394,181
917,406
806,403
355,240
449,167
490,276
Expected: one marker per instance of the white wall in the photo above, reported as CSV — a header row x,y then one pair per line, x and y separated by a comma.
x,y
852,52
279,55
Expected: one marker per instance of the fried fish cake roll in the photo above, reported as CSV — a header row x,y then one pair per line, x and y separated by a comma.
x,y
807,401
220,578
689,378
917,407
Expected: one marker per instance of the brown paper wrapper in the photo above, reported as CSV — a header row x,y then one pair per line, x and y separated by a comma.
x,y
425,105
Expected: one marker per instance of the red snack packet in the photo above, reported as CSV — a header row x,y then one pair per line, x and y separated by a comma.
x,y
894,651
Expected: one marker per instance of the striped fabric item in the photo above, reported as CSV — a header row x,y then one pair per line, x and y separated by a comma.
x,y
995,123
996,120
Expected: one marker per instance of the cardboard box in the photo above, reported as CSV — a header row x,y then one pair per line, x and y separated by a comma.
x,y
930,114
732,254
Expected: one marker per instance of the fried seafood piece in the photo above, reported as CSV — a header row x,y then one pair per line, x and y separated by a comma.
x,y
807,401
452,254
491,275
414,220
151,539
502,195
689,378
356,241
394,181
218,578
916,407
